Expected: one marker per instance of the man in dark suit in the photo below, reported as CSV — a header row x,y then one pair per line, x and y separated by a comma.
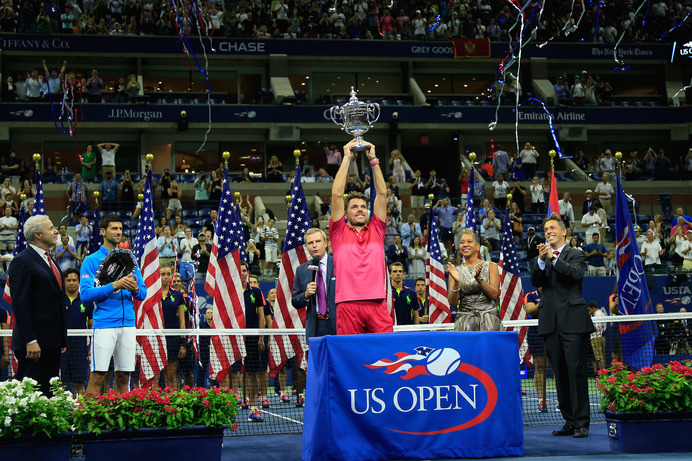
x,y
39,335
318,300
565,324
305,289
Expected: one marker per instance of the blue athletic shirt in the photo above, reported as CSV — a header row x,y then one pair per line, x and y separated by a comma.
x,y
112,310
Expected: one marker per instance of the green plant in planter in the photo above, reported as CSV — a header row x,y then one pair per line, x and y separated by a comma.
x,y
163,408
25,411
653,389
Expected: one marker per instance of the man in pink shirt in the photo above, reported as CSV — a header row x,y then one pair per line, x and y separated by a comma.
x,y
358,247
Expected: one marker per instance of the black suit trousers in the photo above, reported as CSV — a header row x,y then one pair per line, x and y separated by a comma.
x,y
42,370
568,355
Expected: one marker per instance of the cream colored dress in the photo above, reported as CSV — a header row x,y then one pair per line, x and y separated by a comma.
x,y
477,312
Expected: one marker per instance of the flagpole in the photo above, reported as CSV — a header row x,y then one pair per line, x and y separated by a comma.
x,y
428,205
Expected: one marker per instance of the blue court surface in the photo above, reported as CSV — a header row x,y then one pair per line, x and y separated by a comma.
x,y
539,444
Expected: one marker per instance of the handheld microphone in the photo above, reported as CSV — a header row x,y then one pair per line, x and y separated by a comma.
x,y
314,266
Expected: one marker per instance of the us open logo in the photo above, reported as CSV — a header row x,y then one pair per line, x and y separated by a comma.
x,y
434,380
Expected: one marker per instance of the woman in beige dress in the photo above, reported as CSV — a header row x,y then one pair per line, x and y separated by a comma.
x,y
474,285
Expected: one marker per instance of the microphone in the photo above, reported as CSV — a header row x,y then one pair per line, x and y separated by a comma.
x,y
314,266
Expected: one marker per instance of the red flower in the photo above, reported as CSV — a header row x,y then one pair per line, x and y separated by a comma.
x,y
206,403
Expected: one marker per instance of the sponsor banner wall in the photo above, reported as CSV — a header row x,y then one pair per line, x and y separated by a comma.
x,y
413,395
439,115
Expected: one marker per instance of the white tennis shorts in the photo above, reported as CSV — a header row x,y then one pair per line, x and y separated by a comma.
x,y
119,343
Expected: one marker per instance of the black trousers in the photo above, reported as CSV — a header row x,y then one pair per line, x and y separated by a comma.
x,y
42,370
569,355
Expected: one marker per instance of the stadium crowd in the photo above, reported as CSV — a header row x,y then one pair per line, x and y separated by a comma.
x,y
347,19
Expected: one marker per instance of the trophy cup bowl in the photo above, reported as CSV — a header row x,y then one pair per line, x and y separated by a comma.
x,y
355,118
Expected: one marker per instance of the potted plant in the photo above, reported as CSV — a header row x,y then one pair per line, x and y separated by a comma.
x,y
649,410
156,423
33,426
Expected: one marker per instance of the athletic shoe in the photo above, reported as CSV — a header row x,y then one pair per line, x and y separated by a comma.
x,y
277,391
557,407
543,407
523,392
255,416
285,398
245,405
266,403
300,401
294,391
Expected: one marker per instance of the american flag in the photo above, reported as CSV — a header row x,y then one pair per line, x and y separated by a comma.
x,y
435,276
96,241
511,292
470,211
39,202
294,254
242,247
20,242
224,285
151,349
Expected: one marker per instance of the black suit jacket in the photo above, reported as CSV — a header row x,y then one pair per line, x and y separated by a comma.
x,y
300,284
562,303
36,302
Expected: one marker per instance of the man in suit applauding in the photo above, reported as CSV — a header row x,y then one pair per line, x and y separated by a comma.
x,y
320,318
39,335
565,324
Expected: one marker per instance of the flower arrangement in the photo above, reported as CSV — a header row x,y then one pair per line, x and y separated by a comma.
x,y
156,407
26,411
653,389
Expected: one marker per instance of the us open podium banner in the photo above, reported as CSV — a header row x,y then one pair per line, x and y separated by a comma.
x,y
413,395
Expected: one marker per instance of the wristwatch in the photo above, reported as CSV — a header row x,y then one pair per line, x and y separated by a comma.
x,y
480,280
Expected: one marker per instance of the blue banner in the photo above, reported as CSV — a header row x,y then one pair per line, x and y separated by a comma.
x,y
633,291
413,395
310,47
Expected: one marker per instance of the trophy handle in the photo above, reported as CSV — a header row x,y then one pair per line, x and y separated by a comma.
x,y
373,113
336,112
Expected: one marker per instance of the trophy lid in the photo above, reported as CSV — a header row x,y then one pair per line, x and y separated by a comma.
x,y
353,101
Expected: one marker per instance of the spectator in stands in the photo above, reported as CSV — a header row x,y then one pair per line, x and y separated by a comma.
x,y
270,238
500,162
127,191
588,202
529,156
8,231
518,195
308,177
108,151
531,248
174,205
640,238
201,252
537,197
165,184
132,87
83,230
187,265
33,86
178,227
391,227
651,251
493,228
274,170
446,214
591,222
410,230
210,224
516,219
566,209
662,166
574,243
109,192
88,161
433,185
562,92
396,252
680,222
681,212
54,79
578,91
665,333
65,254
678,243
215,187
77,195
9,202
324,176
9,90
94,85
417,187
7,187
244,176
687,252
611,263
167,246
595,252
500,191
202,187
11,167
607,162
604,192
416,258
598,339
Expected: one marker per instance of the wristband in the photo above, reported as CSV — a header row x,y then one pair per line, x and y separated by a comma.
x,y
374,162
457,290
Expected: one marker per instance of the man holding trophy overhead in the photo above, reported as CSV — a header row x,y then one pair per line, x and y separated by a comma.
x,y
358,241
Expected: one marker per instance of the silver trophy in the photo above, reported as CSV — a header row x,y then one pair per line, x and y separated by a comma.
x,y
355,118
